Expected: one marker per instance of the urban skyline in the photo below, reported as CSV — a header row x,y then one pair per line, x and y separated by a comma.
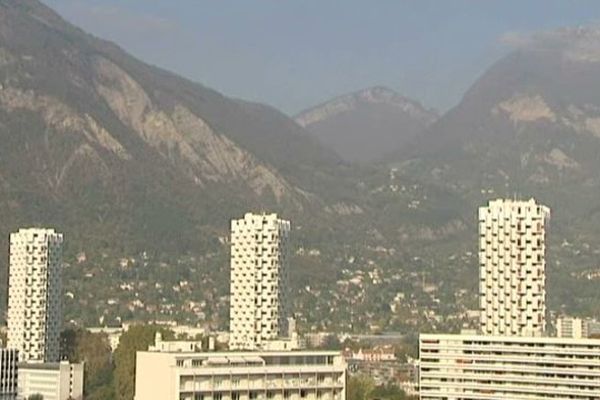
x,y
511,240
299,200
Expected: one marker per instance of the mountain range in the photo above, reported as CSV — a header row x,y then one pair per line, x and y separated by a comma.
x,y
96,139
126,158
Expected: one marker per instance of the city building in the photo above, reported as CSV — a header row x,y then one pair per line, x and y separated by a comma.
x,y
54,381
384,368
577,328
318,339
9,359
376,354
34,294
250,375
570,327
259,281
512,246
508,367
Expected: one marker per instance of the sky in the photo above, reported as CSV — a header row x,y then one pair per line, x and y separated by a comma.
x,y
294,54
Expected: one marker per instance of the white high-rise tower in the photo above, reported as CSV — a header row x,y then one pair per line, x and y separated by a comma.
x,y
512,245
259,280
34,294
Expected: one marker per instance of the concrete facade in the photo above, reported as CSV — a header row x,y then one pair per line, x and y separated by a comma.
x,y
259,280
289,375
571,327
512,262
457,367
34,314
54,381
9,359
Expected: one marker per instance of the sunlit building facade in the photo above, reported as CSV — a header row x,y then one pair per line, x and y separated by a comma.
x,y
512,262
256,375
259,280
34,315
469,367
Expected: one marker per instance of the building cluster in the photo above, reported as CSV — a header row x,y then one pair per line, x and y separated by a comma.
x,y
512,356
265,360
376,354
30,363
381,364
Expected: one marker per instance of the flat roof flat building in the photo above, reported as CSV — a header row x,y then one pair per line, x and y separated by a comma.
x,y
259,281
457,367
571,327
54,381
512,268
259,375
34,316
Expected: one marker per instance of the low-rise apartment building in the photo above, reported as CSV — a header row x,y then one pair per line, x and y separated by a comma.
x,y
479,367
264,375
53,381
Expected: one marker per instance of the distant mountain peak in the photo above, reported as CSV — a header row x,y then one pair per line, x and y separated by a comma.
x,y
380,94
363,125
372,95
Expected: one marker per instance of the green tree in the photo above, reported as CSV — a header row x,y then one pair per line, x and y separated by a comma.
x,y
362,387
79,345
331,342
387,392
359,387
36,396
137,338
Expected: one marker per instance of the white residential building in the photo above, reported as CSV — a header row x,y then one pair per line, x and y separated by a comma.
x,y
512,246
454,367
54,381
571,327
9,359
259,280
256,375
34,316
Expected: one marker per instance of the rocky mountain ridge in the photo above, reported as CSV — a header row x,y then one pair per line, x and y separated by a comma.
x,y
373,95
365,125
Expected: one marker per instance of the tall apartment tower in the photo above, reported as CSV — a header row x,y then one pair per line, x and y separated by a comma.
x,y
259,280
34,294
512,245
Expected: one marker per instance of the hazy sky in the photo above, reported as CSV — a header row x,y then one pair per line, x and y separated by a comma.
x,y
296,53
